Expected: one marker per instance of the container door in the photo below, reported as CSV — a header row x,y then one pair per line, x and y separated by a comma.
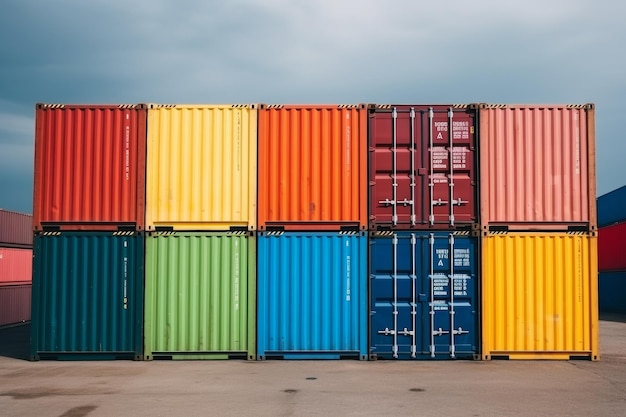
x,y
422,167
414,315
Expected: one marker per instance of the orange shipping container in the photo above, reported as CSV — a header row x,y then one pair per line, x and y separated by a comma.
x,y
312,167
537,166
89,166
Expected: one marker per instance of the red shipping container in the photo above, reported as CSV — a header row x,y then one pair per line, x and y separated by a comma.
x,y
16,265
15,301
612,248
422,166
89,167
16,229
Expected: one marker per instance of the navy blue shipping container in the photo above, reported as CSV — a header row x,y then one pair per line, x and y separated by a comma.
x,y
87,295
312,295
414,314
612,207
612,292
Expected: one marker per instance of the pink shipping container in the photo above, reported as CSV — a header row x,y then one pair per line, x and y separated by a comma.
x,y
537,167
16,265
16,229
15,304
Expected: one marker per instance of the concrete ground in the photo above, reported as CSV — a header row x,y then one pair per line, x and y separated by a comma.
x,y
314,388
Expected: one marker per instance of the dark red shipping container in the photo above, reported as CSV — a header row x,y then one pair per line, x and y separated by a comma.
x,y
89,167
16,229
422,166
15,303
612,248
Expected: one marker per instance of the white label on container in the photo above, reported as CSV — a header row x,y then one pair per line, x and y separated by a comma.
x,y
461,257
460,129
236,276
348,277
127,147
459,158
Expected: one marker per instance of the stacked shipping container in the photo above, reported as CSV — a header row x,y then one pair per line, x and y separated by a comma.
x,y
612,251
423,257
16,258
539,250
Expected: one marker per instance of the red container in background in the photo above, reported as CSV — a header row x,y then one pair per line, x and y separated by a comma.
x,y
16,229
89,167
15,303
16,265
422,166
612,248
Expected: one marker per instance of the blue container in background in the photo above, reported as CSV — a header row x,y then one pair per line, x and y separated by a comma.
x,y
612,207
414,314
612,292
312,295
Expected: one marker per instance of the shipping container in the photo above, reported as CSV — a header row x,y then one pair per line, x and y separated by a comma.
x,y
16,265
537,167
612,248
539,296
423,295
612,292
14,303
16,229
312,295
89,167
612,207
422,166
200,295
312,167
87,295
201,166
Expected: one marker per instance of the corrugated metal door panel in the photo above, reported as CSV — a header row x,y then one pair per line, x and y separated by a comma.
x,y
422,166
312,295
15,304
612,292
89,166
16,229
202,167
200,288
612,207
539,296
87,295
16,265
612,248
312,167
537,166
414,314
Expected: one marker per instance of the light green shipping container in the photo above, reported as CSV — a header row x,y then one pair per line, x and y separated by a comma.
x,y
200,295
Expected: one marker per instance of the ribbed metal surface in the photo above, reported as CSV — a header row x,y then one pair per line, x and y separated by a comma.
x,y
87,294
612,207
15,304
537,165
423,295
611,292
612,248
312,295
201,166
312,167
539,296
16,229
16,265
89,166
422,166
200,295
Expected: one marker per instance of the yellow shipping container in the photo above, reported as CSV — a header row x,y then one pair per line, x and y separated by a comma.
x,y
539,296
201,167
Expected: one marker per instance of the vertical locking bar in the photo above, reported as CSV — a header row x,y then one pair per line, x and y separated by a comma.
x,y
413,177
394,217
452,312
414,290
451,163
431,184
431,242
394,349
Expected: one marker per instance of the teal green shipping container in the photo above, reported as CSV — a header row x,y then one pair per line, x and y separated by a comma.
x,y
87,295
200,295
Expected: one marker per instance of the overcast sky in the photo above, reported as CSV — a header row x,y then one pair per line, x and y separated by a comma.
x,y
312,51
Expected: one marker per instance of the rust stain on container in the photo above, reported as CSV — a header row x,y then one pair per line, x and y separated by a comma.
x,y
89,166
537,166
312,167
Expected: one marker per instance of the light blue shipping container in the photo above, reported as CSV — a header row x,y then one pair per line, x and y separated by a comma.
x,y
312,295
